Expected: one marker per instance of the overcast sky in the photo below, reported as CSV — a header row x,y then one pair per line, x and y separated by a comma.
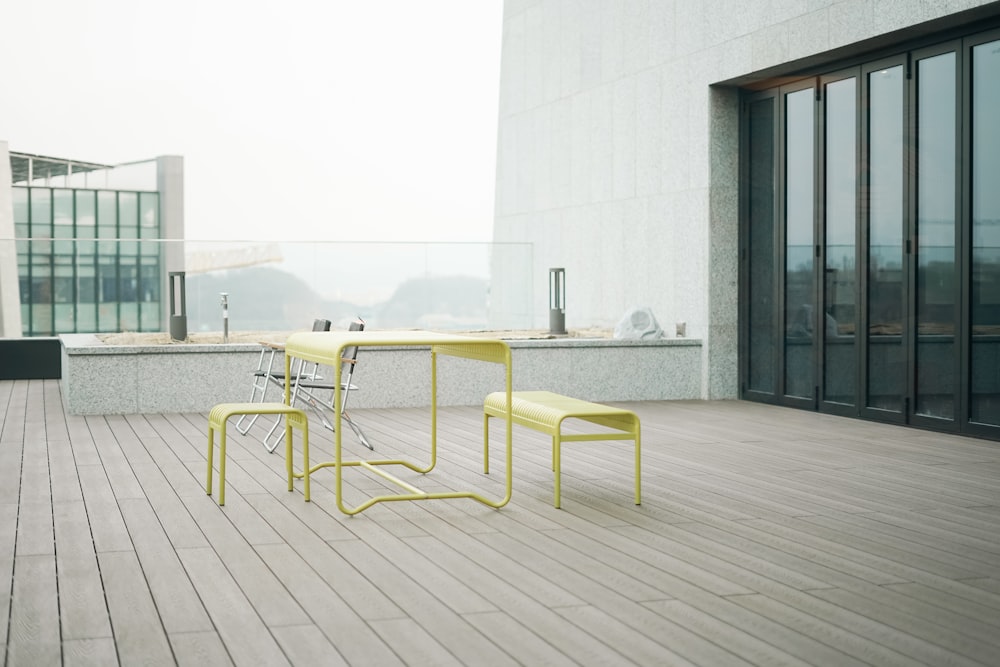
x,y
302,119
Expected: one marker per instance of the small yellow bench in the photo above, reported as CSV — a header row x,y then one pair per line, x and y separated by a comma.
x,y
545,411
219,416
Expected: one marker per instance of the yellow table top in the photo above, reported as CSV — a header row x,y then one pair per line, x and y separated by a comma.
x,y
326,347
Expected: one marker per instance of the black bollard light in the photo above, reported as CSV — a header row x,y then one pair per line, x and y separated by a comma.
x,y
557,301
178,307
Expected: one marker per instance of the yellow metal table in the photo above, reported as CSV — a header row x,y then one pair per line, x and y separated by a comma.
x,y
327,347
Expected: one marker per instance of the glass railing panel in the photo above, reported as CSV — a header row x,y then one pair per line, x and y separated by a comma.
x,y
117,285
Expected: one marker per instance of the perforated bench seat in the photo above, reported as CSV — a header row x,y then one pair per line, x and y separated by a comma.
x,y
219,416
546,412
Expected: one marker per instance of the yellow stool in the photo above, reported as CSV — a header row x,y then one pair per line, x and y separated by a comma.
x,y
220,414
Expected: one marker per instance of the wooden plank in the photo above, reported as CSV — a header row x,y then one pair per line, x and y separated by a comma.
x,y
106,523
413,643
176,599
89,652
197,649
530,616
307,645
330,613
8,538
139,633
459,637
83,611
33,637
238,622
638,648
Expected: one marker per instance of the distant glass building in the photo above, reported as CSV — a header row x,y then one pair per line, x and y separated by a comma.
x,y
89,242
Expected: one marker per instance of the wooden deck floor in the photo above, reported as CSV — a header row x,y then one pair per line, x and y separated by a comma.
x,y
767,536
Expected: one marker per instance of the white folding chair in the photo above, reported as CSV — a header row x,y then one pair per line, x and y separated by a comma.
x,y
307,383
268,375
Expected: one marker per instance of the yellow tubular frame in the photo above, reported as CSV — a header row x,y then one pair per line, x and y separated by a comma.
x,y
327,348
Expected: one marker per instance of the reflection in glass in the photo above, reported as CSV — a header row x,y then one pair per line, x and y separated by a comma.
x,y
761,306
984,399
840,376
799,315
886,371
937,288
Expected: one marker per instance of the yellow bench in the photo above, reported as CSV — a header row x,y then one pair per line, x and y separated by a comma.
x,y
545,411
220,414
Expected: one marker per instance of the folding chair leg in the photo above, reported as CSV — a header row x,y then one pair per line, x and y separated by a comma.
x,y
357,431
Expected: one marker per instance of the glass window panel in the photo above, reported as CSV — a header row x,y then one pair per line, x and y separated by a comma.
x,y
65,318
86,316
761,337
107,215
149,215
129,313
86,284
41,320
984,400
86,213
62,209
128,274
62,284
149,249
107,280
149,290
41,212
128,215
107,318
841,169
886,370
937,295
799,197
20,201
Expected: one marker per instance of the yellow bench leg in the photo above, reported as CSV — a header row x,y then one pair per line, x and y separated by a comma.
x,y
300,421
222,460
556,467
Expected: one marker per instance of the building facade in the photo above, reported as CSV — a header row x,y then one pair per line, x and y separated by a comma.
x,y
810,186
89,244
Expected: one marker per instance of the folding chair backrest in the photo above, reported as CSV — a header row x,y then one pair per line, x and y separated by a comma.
x,y
350,355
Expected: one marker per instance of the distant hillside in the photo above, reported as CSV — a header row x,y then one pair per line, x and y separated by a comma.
x,y
260,298
265,298
447,302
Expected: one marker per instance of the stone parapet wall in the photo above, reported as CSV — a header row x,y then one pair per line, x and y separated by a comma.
x,y
136,379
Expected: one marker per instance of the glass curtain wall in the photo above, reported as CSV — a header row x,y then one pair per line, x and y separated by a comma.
x,y
73,281
887,234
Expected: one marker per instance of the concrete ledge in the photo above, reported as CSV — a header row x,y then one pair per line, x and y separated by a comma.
x,y
136,379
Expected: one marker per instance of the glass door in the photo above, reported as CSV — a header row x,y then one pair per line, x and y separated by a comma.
x,y
884,198
798,281
758,250
937,289
984,204
840,246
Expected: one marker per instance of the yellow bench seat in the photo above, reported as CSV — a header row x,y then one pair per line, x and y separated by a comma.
x,y
546,412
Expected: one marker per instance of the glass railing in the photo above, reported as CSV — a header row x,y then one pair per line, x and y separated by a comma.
x,y
102,285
